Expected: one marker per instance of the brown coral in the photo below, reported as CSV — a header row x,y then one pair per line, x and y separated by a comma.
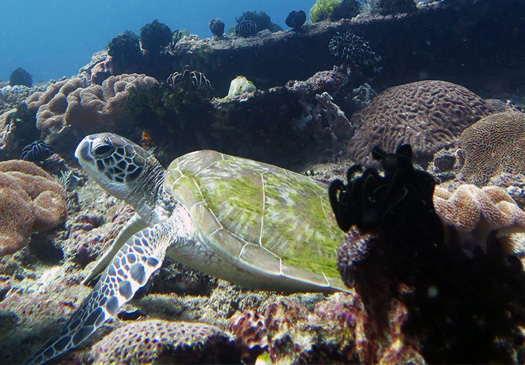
x,y
159,341
30,200
474,213
494,145
428,115
86,109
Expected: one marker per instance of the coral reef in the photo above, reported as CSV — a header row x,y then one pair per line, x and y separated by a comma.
x,y
70,106
20,77
126,53
36,151
492,146
429,115
289,332
154,37
17,129
476,213
163,342
296,19
354,53
453,305
216,27
30,200
323,9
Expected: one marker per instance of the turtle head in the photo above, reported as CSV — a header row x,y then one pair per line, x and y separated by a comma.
x,y
123,169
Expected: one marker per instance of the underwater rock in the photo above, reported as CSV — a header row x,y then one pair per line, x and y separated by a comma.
x,y
216,27
163,341
288,332
429,115
239,86
296,19
493,145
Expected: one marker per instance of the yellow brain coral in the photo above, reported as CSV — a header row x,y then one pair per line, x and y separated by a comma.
x,y
493,145
30,201
474,213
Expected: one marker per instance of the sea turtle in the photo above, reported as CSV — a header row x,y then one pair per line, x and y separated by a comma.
x,y
248,222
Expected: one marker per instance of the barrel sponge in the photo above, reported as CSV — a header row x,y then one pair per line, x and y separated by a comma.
x,y
494,145
147,341
428,115
30,201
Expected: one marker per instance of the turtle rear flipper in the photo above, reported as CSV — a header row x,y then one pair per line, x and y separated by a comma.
x,y
129,270
133,226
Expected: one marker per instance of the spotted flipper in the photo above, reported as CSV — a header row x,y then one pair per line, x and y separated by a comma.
x,y
133,226
129,270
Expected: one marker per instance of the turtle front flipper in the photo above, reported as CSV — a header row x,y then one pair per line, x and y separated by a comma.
x,y
133,226
129,270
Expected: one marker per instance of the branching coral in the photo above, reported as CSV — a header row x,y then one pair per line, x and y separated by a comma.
x,y
492,146
429,115
30,201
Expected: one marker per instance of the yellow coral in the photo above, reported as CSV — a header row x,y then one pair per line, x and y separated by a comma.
x,y
30,201
323,9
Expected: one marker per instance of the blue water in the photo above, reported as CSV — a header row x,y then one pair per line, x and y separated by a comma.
x,y
54,38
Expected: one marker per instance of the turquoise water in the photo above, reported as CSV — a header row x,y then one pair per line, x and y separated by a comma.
x,y
54,38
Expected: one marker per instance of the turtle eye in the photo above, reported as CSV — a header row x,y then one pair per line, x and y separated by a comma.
x,y
103,150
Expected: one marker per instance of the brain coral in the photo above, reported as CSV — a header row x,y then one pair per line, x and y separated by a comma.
x,y
86,109
30,201
493,145
426,114
474,213
157,341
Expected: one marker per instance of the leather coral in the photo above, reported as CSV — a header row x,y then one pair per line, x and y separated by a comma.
x,y
477,212
30,201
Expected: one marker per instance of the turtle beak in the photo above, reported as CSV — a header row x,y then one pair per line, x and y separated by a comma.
x,y
82,152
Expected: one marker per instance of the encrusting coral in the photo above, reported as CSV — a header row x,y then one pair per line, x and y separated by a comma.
x,y
162,341
493,145
429,115
30,201
475,213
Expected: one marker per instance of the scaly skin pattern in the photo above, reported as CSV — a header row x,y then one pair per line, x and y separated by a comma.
x,y
129,270
254,224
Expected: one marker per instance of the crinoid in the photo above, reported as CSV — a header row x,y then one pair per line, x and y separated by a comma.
x,y
371,200
189,78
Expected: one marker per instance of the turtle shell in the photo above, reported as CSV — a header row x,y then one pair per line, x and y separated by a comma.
x,y
266,218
